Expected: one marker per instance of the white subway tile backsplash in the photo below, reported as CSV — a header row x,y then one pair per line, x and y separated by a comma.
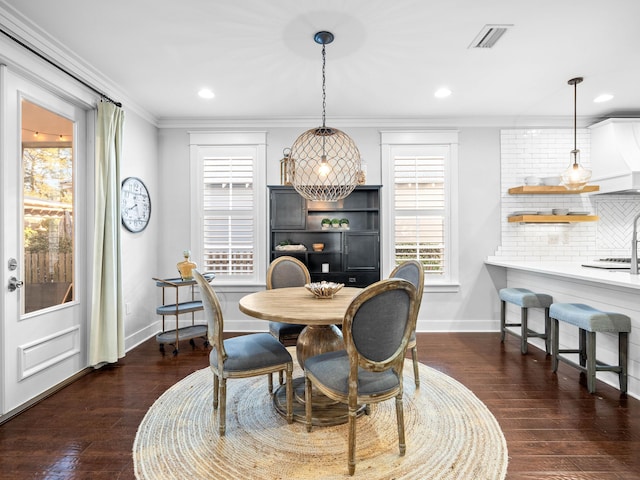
x,y
545,152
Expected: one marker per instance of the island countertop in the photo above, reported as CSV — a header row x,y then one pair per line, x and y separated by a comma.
x,y
572,270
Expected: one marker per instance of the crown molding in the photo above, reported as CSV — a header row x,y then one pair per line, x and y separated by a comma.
x,y
377,122
30,34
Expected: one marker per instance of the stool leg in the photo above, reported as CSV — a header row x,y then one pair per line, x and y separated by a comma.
x,y
623,346
523,337
547,331
581,338
502,319
591,360
555,344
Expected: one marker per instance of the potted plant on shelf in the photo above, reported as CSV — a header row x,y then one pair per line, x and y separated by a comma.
x,y
344,223
335,223
325,223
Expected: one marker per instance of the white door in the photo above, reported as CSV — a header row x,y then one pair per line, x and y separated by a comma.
x,y
43,212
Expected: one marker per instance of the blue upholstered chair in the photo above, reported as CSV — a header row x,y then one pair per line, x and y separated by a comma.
x,y
284,272
412,271
240,357
376,328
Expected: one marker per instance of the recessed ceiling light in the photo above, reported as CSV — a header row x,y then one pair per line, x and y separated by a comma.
x,y
605,97
206,93
442,92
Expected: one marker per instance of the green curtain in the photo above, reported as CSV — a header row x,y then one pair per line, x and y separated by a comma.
x,y
106,338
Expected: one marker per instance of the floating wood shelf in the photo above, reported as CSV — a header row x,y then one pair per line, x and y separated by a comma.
x,y
552,218
546,190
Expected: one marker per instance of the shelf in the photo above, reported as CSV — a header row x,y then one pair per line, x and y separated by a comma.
x,y
180,308
552,218
547,190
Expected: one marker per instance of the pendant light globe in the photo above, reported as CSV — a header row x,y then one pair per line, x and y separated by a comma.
x,y
575,177
324,161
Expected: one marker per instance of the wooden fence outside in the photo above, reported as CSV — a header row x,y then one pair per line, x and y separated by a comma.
x,y
48,267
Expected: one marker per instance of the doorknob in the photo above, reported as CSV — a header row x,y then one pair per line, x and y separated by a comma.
x,y
15,283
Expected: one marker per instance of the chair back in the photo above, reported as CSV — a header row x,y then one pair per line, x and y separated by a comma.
x,y
412,271
378,324
287,271
213,314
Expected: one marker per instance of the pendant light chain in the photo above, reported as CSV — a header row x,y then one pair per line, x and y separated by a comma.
x,y
324,86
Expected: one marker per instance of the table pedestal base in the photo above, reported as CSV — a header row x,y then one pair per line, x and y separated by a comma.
x,y
317,339
325,412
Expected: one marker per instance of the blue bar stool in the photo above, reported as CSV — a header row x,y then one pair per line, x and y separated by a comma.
x,y
525,299
590,321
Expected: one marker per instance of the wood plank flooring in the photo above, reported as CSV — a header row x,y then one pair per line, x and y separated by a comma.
x,y
554,428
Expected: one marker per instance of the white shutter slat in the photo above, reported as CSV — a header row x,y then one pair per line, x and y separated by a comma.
x,y
419,203
228,223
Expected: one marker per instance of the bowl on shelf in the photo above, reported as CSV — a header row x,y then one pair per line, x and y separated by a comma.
x,y
318,247
324,289
560,211
552,181
531,180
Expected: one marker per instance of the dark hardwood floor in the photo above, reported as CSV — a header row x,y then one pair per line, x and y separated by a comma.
x,y
553,427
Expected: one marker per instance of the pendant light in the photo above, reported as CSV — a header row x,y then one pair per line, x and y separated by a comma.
x,y
324,162
576,176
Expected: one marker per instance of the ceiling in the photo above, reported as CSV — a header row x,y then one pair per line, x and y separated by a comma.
x,y
387,60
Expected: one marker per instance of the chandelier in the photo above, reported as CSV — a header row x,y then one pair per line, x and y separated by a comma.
x,y
576,176
324,162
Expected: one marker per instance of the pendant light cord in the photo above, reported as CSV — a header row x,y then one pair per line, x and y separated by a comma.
x,y
575,118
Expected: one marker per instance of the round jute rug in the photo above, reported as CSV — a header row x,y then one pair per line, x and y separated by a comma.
x,y
450,434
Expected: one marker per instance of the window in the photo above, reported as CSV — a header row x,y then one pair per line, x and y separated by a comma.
x,y
421,171
228,216
229,198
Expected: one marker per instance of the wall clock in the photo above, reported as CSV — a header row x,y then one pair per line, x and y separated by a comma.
x,y
135,205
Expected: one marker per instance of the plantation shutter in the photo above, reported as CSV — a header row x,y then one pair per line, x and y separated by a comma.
x,y
229,215
420,215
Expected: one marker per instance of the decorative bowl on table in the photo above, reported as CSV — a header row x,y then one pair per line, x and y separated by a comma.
x,y
324,289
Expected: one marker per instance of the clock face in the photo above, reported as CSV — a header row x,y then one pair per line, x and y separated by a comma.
x,y
135,204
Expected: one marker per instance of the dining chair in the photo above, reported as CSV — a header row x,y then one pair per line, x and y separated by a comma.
x,y
240,357
284,272
412,271
376,327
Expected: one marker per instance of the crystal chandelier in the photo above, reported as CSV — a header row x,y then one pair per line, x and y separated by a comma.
x,y
576,176
324,162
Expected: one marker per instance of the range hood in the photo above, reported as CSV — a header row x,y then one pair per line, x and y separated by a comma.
x,y
615,155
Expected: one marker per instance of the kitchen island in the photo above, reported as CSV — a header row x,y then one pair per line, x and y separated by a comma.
x,y
568,282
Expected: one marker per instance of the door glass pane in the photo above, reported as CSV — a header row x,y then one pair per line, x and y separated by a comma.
x,y
47,172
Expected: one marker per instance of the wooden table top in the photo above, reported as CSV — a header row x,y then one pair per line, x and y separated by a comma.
x,y
298,305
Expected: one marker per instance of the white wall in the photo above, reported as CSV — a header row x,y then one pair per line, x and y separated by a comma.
x,y
471,308
140,250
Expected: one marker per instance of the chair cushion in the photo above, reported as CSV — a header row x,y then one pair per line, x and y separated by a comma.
x,y
281,329
590,319
525,298
332,369
251,352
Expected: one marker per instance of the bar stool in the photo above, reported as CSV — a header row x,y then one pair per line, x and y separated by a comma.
x,y
590,321
525,299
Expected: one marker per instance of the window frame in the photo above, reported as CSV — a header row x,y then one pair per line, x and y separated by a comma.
x,y
424,143
230,144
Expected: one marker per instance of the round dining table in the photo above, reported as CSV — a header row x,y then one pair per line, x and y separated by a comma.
x,y
320,315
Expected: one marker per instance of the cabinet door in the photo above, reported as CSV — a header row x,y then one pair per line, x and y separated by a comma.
x,y
288,210
362,251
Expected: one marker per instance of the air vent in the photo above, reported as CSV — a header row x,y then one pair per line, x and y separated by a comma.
x,y
489,35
